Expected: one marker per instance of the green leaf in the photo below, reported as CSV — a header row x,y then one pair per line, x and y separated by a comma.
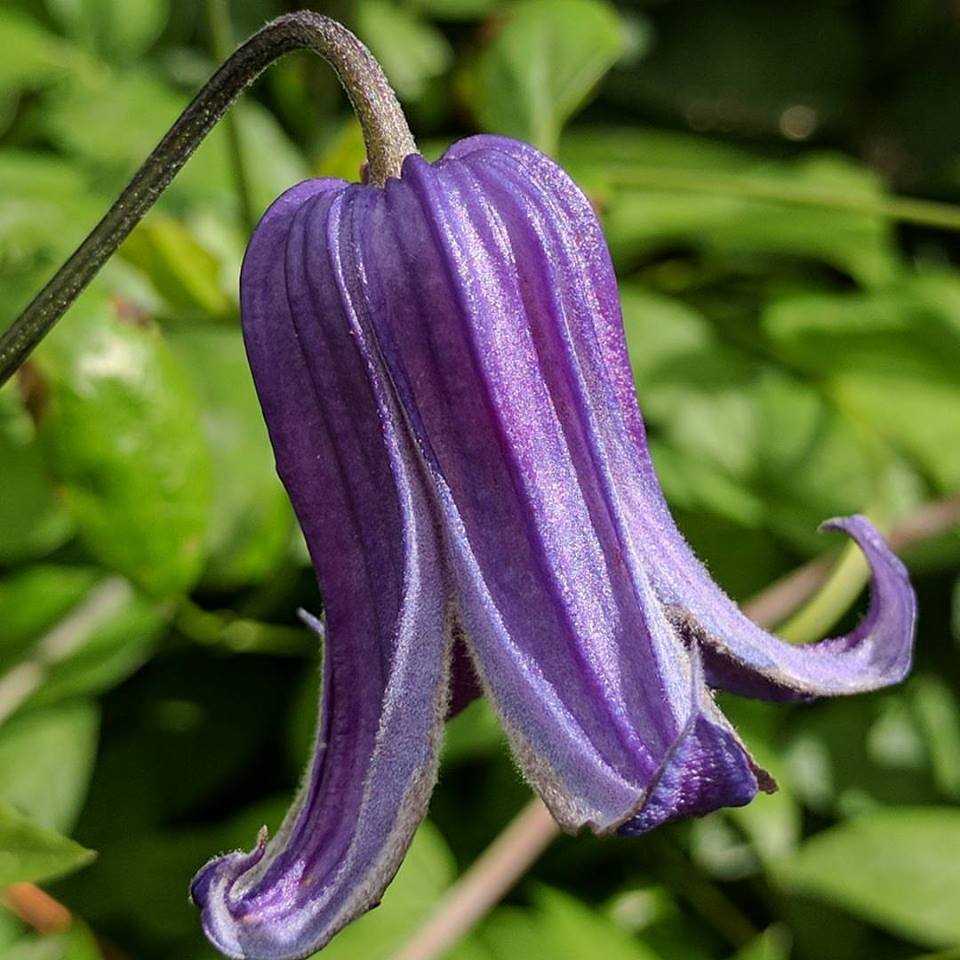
x,y
11,930
411,51
888,359
77,943
99,640
472,733
542,65
560,927
32,521
737,437
659,190
938,717
893,868
251,519
772,944
180,268
32,56
113,29
46,206
426,872
577,930
32,600
122,430
99,643
46,758
32,853
112,122
344,154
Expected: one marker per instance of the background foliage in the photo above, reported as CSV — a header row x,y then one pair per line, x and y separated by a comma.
x,y
797,354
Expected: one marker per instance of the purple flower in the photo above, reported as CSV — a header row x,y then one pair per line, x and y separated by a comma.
x,y
442,368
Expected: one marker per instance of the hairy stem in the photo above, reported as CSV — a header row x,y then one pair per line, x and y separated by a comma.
x,y
385,132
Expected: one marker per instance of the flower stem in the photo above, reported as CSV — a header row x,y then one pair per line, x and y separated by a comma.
x,y
925,213
221,43
385,132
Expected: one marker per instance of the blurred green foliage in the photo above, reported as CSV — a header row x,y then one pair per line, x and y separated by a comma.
x,y
797,355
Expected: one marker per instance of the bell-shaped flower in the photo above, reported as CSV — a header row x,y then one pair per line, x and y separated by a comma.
x,y
442,368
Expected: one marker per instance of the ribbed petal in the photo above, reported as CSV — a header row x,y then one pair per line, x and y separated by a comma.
x,y
442,368
346,458
471,299
738,654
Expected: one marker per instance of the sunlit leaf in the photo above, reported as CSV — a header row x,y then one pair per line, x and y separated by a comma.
x,y
411,50
180,268
542,64
122,429
77,943
251,519
32,521
893,868
114,29
32,55
46,758
889,359
30,852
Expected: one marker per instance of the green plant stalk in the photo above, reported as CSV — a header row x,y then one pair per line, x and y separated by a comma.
x,y
924,213
222,44
235,634
814,619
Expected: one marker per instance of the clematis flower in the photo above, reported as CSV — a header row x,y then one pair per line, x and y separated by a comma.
x,y
442,368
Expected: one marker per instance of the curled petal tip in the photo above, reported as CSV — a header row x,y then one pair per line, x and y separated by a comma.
x,y
878,652
443,372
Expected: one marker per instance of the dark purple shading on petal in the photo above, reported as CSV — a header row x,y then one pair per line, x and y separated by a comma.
x,y
359,494
442,368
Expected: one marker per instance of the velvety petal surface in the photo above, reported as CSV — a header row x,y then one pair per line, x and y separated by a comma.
x,y
472,286
738,654
358,489
443,371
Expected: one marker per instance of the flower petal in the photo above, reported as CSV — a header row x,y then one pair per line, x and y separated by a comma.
x,y
569,640
346,458
738,655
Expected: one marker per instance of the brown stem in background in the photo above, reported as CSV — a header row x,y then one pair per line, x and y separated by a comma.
x,y
36,908
488,879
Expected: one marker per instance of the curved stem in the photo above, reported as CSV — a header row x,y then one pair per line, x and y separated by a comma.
x,y
385,132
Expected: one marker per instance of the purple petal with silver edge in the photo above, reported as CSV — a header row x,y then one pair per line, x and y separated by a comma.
x,y
442,368
360,498
738,654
